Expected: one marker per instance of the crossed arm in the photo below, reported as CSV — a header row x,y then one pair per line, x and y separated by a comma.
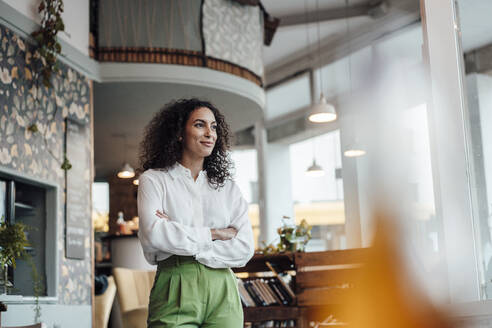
x,y
217,234
217,248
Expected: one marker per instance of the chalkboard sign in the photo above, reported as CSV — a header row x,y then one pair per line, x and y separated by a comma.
x,y
77,190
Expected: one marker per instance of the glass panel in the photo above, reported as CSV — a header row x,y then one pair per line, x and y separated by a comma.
x,y
475,25
341,76
30,209
3,200
319,199
288,97
246,177
100,206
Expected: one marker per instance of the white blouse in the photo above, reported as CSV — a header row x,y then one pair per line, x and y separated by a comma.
x,y
193,208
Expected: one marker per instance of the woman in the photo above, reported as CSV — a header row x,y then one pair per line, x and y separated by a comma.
x,y
193,220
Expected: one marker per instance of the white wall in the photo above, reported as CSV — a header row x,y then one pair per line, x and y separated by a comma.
x,y
53,315
75,17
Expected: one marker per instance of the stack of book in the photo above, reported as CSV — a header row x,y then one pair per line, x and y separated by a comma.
x,y
265,292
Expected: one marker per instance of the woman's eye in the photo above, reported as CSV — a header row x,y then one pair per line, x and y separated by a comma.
x,y
214,127
199,125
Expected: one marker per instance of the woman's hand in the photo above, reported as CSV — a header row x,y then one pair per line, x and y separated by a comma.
x,y
223,234
162,215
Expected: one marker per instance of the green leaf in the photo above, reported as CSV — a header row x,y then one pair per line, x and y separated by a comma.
x,y
33,128
66,164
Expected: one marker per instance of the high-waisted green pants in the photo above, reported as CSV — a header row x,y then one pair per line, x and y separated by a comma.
x,y
189,294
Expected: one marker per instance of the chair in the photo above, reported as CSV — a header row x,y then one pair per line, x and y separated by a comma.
x,y
103,304
133,295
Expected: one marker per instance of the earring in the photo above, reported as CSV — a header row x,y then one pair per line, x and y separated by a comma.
x,y
180,139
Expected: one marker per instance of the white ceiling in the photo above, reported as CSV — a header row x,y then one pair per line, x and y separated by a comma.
x,y
292,39
290,43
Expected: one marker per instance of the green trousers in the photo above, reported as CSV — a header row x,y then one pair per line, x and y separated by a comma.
x,y
189,294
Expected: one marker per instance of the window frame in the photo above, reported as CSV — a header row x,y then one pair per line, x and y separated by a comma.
x,y
51,252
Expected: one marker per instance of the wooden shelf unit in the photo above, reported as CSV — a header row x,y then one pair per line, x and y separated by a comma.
x,y
321,280
259,313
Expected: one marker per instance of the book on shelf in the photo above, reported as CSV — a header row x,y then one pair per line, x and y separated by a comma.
x,y
271,323
273,295
254,294
260,284
283,296
284,280
264,292
245,297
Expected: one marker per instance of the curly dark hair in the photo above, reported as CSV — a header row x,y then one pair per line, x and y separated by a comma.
x,y
161,147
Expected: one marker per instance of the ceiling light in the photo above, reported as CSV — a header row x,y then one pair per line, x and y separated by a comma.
x,y
315,170
354,152
126,172
322,112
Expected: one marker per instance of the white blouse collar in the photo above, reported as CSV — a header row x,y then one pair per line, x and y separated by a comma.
x,y
179,170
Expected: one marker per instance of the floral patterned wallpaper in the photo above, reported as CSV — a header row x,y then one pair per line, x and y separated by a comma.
x,y
25,101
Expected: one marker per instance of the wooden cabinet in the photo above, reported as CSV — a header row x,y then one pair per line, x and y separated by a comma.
x,y
320,281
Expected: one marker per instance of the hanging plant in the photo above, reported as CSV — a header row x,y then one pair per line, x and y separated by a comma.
x,y
13,242
66,165
48,46
48,50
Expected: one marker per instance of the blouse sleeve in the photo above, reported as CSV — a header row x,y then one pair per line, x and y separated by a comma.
x,y
157,234
235,252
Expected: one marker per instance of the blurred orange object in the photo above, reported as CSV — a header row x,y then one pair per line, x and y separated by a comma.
x,y
385,295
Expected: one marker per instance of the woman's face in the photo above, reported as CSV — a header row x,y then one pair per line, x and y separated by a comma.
x,y
200,133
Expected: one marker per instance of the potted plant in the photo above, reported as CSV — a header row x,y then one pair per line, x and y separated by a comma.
x,y
13,243
291,237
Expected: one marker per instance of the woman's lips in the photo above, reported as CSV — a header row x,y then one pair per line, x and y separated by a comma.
x,y
208,144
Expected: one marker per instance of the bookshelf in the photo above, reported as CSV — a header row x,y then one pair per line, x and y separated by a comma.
x,y
320,280
283,262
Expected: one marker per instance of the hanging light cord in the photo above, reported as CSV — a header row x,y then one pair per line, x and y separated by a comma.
x,y
306,17
349,46
314,149
126,147
319,48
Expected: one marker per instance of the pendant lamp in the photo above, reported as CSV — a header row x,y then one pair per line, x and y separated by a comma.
x,y
126,172
322,112
354,149
354,152
315,170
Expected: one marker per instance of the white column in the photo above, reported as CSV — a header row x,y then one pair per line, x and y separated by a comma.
x,y
450,152
274,184
350,189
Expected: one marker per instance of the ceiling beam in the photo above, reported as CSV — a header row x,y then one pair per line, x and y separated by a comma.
x,y
334,47
373,10
479,60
